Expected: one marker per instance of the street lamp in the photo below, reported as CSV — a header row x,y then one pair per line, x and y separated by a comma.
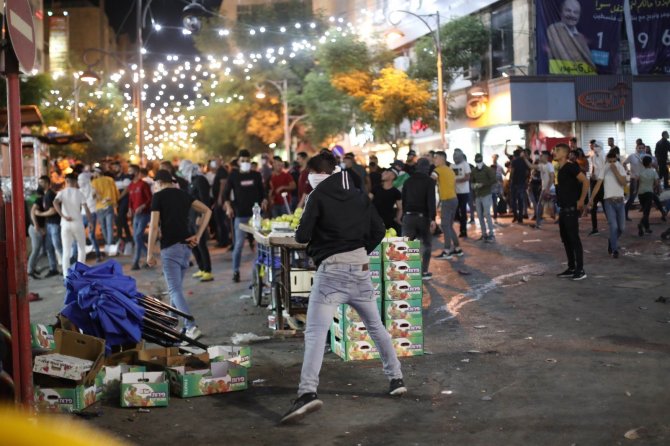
x,y
192,15
435,34
282,88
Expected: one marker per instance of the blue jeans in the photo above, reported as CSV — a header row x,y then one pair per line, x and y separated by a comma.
x,y
54,245
140,222
175,260
616,219
106,217
92,225
240,236
632,193
337,284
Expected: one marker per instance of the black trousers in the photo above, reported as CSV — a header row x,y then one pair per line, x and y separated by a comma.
x,y
462,212
222,225
568,224
122,222
418,227
201,252
598,198
646,200
663,172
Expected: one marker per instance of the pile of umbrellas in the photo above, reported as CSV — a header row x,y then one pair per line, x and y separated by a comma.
x,y
103,302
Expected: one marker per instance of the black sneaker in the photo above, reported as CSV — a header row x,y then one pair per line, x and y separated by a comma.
x,y
426,276
397,387
443,255
236,277
593,232
304,405
640,231
609,247
615,255
568,273
135,267
35,276
579,275
456,252
52,273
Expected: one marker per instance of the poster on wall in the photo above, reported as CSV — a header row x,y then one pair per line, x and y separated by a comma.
x,y
651,29
578,37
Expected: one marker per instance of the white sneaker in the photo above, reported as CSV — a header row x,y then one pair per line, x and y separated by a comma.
x,y
193,333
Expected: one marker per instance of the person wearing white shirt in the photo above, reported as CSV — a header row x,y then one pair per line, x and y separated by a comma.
x,y
462,170
634,165
611,181
84,181
68,203
597,158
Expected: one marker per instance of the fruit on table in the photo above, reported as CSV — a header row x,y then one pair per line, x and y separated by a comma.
x,y
391,233
292,219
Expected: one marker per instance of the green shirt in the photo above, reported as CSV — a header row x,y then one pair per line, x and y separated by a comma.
x,y
648,177
482,180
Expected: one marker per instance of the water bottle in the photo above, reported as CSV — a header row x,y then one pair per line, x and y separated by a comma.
x,y
256,219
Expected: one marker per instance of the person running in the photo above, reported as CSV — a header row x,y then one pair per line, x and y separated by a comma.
x,y
106,198
388,201
139,202
483,178
612,179
69,203
571,195
247,186
648,183
341,227
418,204
446,188
170,208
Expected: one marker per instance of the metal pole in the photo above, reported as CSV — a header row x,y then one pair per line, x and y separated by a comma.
x,y
18,296
140,82
76,98
440,85
287,130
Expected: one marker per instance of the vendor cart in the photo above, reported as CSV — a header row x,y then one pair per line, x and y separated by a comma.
x,y
284,272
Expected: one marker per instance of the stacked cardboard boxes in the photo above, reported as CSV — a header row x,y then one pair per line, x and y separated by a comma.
x,y
403,293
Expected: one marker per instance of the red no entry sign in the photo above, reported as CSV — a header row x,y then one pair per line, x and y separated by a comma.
x,y
21,31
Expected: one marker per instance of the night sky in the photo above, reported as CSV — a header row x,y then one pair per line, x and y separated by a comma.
x,y
165,12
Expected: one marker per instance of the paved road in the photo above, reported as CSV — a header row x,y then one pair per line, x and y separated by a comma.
x,y
517,357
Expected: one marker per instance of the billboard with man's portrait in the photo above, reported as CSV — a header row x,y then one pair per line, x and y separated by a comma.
x,y
583,37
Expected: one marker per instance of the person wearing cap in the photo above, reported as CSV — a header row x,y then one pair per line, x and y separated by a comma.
x,y
418,204
398,168
597,158
483,179
248,189
106,198
341,228
170,208
352,166
410,162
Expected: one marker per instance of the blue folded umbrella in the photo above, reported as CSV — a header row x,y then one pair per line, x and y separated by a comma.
x,y
101,301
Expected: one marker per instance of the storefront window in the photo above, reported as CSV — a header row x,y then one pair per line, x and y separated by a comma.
x,y
502,39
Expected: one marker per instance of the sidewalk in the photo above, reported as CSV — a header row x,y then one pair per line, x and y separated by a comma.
x,y
517,355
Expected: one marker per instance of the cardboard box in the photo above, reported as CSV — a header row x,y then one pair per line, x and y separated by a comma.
x,y
219,377
377,289
409,310
240,355
165,357
376,255
354,350
397,271
110,378
62,366
404,328
401,251
350,331
348,312
42,336
375,272
405,347
403,290
53,395
75,345
144,389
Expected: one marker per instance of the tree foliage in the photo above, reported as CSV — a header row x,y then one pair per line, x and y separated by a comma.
x,y
33,89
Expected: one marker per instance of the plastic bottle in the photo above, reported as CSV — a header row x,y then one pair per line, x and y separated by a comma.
x,y
256,219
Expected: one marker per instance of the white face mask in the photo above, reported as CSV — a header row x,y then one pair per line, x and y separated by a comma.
x,y
480,165
343,166
245,167
212,164
316,178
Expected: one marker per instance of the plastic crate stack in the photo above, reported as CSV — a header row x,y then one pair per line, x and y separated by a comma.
x,y
395,270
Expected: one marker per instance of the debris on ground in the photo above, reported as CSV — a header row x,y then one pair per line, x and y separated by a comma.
x,y
463,272
245,296
661,299
479,327
246,338
551,360
633,434
487,398
537,240
258,381
465,360
447,392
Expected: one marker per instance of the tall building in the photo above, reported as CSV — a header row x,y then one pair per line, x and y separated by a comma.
x,y
38,23
73,27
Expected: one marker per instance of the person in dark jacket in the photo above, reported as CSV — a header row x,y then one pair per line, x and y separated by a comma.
x,y
199,190
418,204
341,227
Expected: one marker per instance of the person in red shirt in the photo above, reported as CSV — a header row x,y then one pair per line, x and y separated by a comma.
x,y
304,188
139,194
280,182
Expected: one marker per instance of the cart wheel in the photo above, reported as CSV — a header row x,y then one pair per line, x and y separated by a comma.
x,y
257,286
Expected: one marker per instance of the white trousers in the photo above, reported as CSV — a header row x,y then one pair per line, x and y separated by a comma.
x,y
72,231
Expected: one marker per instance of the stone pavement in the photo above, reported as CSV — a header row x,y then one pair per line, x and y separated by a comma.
x,y
517,356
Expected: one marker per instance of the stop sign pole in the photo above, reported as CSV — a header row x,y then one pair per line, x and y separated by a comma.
x,y
16,20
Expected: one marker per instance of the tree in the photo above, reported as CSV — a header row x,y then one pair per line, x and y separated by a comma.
x,y
33,89
393,98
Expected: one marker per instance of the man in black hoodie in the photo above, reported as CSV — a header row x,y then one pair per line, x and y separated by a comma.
x,y
418,204
341,228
